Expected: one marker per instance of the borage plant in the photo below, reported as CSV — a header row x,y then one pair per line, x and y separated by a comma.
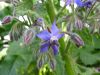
x,y
50,37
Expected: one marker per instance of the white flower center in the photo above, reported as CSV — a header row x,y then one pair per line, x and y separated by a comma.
x,y
53,38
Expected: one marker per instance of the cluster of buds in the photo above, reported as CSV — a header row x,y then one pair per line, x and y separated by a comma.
x,y
46,58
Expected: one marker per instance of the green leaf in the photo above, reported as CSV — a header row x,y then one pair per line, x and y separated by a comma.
x,y
60,69
88,58
96,73
96,40
18,58
88,72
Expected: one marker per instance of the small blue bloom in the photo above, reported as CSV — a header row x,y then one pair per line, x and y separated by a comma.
x,y
78,2
50,37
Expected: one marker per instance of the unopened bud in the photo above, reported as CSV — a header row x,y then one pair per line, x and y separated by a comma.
x,y
52,64
69,28
77,39
40,63
6,19
16,31
78,24
28,36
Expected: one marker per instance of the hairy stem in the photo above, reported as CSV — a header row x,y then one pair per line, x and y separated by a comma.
x,y
51,10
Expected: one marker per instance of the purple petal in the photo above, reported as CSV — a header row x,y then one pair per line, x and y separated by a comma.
x,y
68,2
55,49
55,42
44,35
44,47
79,3
59,36
54,28
88,4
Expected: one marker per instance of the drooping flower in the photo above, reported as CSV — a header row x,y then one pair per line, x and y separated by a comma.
x,y
50,37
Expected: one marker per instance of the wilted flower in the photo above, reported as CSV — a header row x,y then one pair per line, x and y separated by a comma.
x,y
28,36
6,19
77,39
78,24
50,37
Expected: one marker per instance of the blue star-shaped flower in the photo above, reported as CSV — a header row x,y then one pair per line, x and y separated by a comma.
x,y
50,37
78,2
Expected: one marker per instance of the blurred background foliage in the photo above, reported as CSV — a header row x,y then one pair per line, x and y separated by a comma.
x,y
18,59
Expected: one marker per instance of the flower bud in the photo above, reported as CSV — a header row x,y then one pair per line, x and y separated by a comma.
x,y
39,22
6,19
69,28
40,63
28,36
77,39
16,31
78,24
52,64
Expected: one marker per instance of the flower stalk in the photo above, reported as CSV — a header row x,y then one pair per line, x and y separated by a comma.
x,y
51,10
